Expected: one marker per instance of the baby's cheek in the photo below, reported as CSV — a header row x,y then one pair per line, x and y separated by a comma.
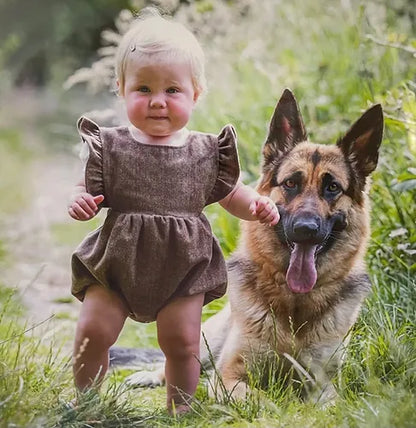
x,y
183,113
182,107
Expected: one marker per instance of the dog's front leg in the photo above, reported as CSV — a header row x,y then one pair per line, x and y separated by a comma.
x,y
230,372
323,364
323,392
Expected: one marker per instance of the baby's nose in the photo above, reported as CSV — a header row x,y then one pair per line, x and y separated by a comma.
x,y
157,101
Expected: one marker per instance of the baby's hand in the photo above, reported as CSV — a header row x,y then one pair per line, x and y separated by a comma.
x,y
265,210
84,206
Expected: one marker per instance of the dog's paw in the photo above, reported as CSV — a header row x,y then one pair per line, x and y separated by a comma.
x,y
146,379
325,397
224,391
239,391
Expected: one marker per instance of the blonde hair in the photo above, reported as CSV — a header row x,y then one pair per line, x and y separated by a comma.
x,y
157,38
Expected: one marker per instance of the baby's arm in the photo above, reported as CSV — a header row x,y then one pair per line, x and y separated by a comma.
x,y
245,203
83,206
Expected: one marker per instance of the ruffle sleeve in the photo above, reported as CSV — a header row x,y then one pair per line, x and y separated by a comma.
x,y
228,165
90,134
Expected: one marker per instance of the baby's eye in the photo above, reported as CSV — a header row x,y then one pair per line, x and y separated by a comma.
x,y
143,89
172,90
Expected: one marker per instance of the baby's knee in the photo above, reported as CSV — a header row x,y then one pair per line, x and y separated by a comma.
x,y
178,345
95,334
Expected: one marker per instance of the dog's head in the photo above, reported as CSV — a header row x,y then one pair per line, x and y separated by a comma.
x,y
316,187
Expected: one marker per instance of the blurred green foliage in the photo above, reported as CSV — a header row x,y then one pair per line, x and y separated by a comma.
x,y
338,57
43,39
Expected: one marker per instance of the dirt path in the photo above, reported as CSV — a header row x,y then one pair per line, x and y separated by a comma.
x,y
40,266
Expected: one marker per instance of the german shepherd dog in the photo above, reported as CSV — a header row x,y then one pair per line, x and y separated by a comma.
x,y
295,290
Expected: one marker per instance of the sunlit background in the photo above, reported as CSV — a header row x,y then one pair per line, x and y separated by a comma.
x,y
339,57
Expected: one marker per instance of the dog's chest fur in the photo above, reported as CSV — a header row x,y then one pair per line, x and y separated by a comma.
x,y
274,317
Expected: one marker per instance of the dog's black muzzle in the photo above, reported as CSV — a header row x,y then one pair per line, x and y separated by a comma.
x,y
305,227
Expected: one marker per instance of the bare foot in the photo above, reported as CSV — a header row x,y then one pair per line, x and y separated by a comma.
x,y
179,410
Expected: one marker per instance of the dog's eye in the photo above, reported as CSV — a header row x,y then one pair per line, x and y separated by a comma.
x,y
333,187
289,183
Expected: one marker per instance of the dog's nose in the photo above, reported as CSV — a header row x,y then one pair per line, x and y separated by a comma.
x,y
305,228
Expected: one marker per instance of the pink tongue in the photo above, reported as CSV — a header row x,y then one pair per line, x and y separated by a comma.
x,y
301,275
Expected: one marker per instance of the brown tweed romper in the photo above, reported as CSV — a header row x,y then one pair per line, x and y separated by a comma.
x,y
155,243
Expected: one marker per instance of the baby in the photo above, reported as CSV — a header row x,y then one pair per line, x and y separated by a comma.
x,y
155,257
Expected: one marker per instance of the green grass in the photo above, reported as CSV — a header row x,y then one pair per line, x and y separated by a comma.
x,y
376,385
63,300
32,375
336,69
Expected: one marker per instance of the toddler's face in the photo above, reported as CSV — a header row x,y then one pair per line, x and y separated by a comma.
x,y
159,96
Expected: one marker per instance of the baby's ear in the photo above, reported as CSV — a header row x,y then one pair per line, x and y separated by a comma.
x,y
119,92
196,95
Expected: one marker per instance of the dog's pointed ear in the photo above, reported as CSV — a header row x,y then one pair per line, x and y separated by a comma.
x,y
286,128
361,143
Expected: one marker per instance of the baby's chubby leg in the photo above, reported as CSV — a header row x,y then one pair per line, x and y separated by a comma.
x,y
179,329
101,319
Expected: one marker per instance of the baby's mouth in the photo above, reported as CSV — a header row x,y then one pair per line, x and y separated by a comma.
x,y
158,117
